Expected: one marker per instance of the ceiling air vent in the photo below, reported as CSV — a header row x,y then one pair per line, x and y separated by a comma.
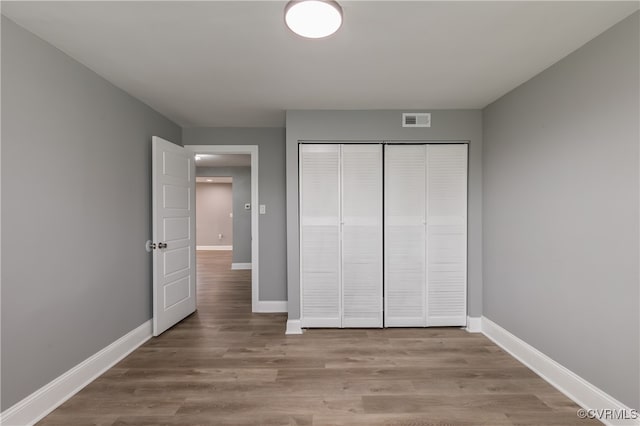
x,y
416,119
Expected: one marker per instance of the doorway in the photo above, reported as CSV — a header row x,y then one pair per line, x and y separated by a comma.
x,y
215,213
237,162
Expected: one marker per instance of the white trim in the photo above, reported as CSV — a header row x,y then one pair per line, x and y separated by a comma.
x,y
214,247
46,399
236,266
474,324
272,306
293,327
575,387
255,218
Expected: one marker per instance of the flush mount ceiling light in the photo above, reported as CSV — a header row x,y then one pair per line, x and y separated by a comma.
x,y
313,18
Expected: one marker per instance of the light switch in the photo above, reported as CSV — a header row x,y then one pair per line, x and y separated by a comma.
x,y
263,209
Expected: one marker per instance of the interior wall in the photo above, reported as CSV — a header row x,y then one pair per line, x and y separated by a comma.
x,y
271,177
385,125
241,193
75,273
561,230
214,214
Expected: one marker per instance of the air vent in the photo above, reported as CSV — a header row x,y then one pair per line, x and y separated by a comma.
x,y
416,119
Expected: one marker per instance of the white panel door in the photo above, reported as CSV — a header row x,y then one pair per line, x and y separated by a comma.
x,y
405,238
174,272
361,235
320,236
446,235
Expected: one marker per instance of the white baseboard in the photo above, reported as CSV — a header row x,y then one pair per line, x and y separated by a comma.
x,y
214,247
236,266
575,387
294,327
46,399
474,324
271,306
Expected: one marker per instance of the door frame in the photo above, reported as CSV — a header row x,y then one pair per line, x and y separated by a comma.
x,y
255,252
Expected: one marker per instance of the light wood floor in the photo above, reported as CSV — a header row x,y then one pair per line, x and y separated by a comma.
x,y
226,366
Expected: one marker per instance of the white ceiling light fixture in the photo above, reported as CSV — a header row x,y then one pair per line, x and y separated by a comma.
x,y
313,18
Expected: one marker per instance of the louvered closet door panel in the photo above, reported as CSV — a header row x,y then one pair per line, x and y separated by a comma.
x,y
362,235
446,235
320,237
405,261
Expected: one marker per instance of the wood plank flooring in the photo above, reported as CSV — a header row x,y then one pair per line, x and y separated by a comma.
x,y
226,366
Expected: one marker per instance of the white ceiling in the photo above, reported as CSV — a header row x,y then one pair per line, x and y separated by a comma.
x,y
233,63
214,179
222,160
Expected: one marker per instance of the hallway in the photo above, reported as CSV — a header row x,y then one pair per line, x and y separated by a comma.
x,y
226,366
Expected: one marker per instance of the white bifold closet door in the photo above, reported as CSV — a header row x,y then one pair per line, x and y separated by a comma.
x,y
341,235
405,233
425,235
361,198
320,257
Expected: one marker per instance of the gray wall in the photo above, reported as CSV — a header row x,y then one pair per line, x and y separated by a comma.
x,y
241,218
214,214
447,125
76,196
271,176
561,212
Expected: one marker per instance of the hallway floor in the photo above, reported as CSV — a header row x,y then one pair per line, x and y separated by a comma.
x,y
224,365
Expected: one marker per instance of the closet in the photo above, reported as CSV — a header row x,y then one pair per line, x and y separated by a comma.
x,y
383,235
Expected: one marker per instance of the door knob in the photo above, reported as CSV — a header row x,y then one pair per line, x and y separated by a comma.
x,y
162,245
